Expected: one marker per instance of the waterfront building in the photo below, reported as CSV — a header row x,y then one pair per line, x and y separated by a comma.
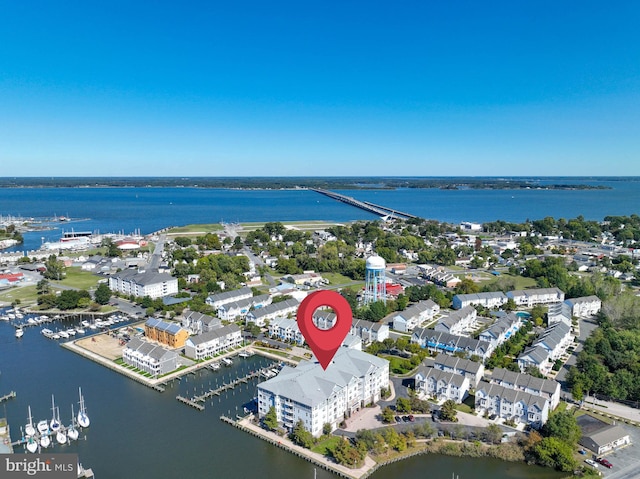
x,y
529,298
150,358
286,329
547,388
217,300
472,370
548,347
585,306
511,404
415,316
198,323
260,316
442,342
501,330
375,288
442,385
316,396
240,309
559,313
165,332
142,283
488,300
458,322
207,345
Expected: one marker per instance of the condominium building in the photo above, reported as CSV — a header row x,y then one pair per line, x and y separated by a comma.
x,y
207,345
150,358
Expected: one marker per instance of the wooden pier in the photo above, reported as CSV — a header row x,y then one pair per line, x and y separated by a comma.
x,y
6,397
379,210
196,401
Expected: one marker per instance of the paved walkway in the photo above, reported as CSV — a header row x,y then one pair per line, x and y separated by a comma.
x,y
613,409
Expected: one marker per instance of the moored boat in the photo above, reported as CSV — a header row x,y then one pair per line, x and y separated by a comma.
x,y
19,332
32,444
43,427
72,432
83,418
29,428
45,441
55,422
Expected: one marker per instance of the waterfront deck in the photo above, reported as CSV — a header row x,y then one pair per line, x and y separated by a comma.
x,y
379,210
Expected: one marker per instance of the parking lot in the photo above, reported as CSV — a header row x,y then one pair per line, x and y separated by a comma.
x,y
626,464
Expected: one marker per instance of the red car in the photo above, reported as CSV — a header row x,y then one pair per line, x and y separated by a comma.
x,y
604,462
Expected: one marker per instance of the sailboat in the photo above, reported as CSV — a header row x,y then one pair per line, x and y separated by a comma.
x,y
29,429
55,422
72,432
19,332
83,419
61,436
45,441
32,444
43,427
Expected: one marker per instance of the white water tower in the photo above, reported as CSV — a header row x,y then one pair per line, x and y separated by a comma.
x,y
375,281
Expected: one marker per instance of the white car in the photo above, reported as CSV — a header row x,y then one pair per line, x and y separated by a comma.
x,y
591,462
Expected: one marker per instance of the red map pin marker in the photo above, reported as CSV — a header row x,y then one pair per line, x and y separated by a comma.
x,y
324,342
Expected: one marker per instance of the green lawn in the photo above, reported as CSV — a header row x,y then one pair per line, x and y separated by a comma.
x,y
196,228
76,278
26,295
326,446
337,278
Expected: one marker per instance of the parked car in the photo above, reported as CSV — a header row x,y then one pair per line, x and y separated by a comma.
x,y
591,462
398,419
604,462
583,451
411,418
405,418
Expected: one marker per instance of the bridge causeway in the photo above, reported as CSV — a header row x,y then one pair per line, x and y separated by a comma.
x,y
379,210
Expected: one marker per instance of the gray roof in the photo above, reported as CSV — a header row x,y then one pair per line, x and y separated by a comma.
x,y
204,318
364,324
154,351
440,375
480,296
229,295
606,435
310,385
583,299
214,334
143,278
534,291
417,309
521,380
456,316
537,353
286,323
461,364
244,303
553,335
512,395
275,308
501,326
441,337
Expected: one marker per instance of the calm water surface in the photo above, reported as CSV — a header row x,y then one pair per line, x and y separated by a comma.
x,y
137,432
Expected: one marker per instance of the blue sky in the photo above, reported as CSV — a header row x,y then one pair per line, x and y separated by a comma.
x,y
319,88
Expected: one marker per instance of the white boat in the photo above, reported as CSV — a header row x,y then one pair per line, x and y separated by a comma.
x,y
29,429
71,332
32,444
72,432
80,330
93,326
55,421
61,437
47,333
214,366
85,323
226,361
63,334
55,336
43,427
83,419
31,321
45,441
19,332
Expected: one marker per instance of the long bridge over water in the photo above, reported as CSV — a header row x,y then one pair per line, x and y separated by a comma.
x,y
379,210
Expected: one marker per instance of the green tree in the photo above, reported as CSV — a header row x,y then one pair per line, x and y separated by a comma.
x,y
493,433
346,454
387,415
403,405
300,436
54,268
563,425
102,294
326,428
448,411
270,419
43,287
553,452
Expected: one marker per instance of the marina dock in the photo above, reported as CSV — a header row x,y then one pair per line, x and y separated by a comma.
x,y
196,401
379,210
6,397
